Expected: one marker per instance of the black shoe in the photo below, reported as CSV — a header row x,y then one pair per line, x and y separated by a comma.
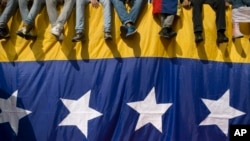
x,y
123,30
167,32
4,33
221,37
78,37
198,37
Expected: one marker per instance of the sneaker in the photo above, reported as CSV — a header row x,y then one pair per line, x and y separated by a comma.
x,y
221,37
4,33
123,30
198,37
131,30
107,36
57,30
21,32
24,30
167,32
31,35
78,37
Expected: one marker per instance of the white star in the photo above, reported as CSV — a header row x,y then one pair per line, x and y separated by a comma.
x,y
80,113
150,111
221,112
11,113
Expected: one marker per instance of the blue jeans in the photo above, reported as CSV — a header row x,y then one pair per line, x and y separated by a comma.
x,y
8,11
53,13
80,9
29,16
132,15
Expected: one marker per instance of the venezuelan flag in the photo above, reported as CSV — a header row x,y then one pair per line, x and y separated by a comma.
x,y
144,88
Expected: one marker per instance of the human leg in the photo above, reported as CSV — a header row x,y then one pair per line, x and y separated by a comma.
x,y
23,7
66,11
107,18
166,23
51,6
219,8
9,10
197,19
136,9
80,14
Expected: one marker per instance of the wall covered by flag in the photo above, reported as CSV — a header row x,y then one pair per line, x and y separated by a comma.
x,y
143,88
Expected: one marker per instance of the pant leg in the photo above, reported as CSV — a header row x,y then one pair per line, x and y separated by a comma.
x,y
121,11
197,14
52,11
136,9
9,10
23,8
106,15
246,2
166,20
35,9
80,14
66,11
219,8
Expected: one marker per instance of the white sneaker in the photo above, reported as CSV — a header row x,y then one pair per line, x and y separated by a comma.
x,y
57,30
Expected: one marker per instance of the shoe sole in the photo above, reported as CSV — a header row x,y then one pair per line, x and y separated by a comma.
x,y
5,37
20,34
169,37
127,35
108,38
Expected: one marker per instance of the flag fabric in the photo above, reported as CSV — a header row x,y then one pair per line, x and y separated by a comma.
x,y
165,6
139,99
140,89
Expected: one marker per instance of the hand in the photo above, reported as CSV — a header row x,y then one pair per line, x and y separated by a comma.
x,y
186,4
59,2
227,4
3,3
95,3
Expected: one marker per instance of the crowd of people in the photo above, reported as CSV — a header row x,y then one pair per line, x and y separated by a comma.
x,y
166,10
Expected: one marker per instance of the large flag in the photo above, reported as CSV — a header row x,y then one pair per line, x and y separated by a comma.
x,y
139,89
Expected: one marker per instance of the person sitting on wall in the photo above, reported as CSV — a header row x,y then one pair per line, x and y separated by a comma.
x,y
28,17
128,19
80,10
219,6
240,13
166,10
57,21
8,8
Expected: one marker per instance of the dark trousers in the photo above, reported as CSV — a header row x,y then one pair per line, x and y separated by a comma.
x,y
219,8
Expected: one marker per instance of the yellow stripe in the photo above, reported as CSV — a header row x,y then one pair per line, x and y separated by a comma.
x,y
146,43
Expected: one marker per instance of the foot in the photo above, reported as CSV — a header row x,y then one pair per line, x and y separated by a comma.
x,y
21,32
198,37
78,37
56,30
31,35
107,36
24,31
237,35
167,32
123,30
221,37
4,33
131,30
